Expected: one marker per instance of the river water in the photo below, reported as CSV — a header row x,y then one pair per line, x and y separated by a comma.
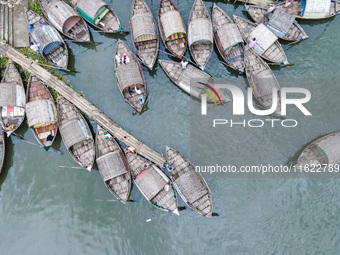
x,y
46,209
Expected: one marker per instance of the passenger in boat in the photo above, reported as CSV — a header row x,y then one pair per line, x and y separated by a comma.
x,y
130,91
126,59
130,149
184,63
270,9
139,92
252,43
118,58
35,48
168,167
289,2
141,100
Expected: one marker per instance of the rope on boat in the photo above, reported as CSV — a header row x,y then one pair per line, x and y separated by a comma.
x,y
157,217
55,67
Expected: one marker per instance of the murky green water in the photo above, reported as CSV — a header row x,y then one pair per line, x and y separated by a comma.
x,y
45,209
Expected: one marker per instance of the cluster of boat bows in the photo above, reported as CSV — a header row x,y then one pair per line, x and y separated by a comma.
x,y
245,46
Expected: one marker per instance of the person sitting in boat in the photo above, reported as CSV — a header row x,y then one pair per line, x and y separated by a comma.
x,y
126,59
141,100
184,63
130,149
35,48
270,9
118,58
130,91
139,92
252,43
289,2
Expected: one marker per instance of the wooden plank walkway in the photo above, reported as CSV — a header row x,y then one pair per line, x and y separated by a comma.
x,y
13,24
80,102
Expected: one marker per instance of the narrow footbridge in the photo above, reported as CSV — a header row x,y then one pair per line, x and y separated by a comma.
x,y
80,102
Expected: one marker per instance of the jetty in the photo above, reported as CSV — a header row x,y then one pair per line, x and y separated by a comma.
x,y
80,102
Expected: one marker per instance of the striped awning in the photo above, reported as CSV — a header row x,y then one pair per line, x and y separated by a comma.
x,y
172,23
143,27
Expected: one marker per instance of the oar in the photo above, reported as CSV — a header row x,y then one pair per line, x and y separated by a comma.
x,y
76,41
199,216
182,56
113,200
112,32
157,217
25,140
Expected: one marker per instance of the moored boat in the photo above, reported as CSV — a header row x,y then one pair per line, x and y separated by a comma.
x,y
200,35
129,75
12,99
281,23
144,33
267,45
321,153
47,39
172,28
228,39
263,3
75,133
112,165
262,80
65,19
154,185
189,184
2,149
41,112
193,81
98,14
312,9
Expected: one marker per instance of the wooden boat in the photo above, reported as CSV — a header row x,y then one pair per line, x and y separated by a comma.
x,y
201,84
65,19
172,28
264,3
12,99
267,45
228,39
98,14
144,33
41,112
321,153
75,133
112,165
130,78
2,149
154,185
189,184
312,9
262,80
49,42
200,35
281,23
